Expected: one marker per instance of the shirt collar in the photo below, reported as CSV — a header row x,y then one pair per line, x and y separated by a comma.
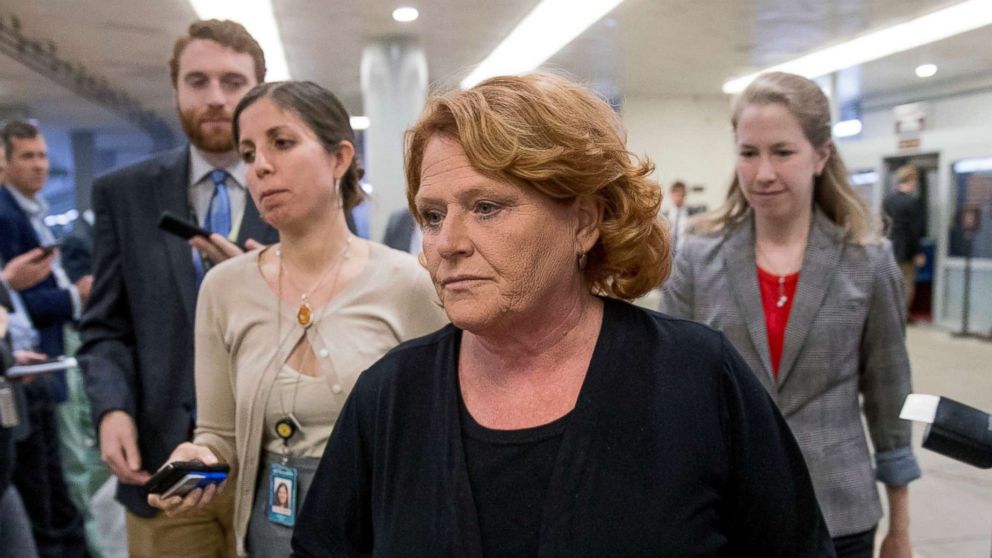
x,y
37,207
199,168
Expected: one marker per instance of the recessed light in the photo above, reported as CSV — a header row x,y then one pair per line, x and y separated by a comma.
x,y
360,122
926,70
406,14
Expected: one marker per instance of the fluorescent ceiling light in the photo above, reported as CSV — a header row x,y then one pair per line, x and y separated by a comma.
x,y
551,25
360,122
923,30
259,19
847,128
926,70
406,14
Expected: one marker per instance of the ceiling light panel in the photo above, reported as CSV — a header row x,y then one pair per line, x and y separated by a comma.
x,y
406,14
935,26
259,19
926,70
551,25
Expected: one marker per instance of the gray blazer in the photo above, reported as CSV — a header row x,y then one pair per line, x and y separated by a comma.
x,y
845,336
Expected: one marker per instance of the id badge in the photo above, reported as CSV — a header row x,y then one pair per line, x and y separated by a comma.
x,y
282,495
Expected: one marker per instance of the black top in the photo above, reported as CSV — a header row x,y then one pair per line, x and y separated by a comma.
x,y
673,449
509,471
906,228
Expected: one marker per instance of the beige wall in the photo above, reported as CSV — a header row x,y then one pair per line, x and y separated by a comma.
x,y
688,138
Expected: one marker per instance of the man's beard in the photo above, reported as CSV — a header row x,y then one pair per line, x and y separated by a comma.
x,y
215,141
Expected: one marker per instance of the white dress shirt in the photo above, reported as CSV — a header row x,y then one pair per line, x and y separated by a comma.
x,y
201,189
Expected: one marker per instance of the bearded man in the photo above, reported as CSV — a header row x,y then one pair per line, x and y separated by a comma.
x,y
137,330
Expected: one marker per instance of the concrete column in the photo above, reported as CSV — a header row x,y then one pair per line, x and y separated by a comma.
x,y
394,89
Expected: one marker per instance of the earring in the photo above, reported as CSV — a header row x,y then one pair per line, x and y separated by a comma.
x,y
583,258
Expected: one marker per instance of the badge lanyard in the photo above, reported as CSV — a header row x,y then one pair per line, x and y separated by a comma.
x,y
283,479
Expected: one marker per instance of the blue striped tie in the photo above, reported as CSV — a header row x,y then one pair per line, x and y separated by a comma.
x,y
217,219
219,215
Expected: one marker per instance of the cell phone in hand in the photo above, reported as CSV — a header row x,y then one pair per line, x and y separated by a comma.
x,y
173,224
179,478
47,249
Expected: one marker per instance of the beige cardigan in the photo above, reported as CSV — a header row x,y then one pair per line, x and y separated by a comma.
x,y
391,300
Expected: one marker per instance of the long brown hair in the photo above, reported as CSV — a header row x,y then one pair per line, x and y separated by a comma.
x,y
832,192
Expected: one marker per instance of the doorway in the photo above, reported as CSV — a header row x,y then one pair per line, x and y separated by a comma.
x,y
927,165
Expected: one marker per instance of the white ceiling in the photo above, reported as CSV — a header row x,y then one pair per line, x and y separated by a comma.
x,y
644,48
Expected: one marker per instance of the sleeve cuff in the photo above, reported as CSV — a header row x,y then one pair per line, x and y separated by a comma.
x,y
896,467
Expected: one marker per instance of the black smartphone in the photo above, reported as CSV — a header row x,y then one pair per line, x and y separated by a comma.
x,y
179,478
47,249
182,228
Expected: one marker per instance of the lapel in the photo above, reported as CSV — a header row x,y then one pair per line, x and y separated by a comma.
x,y
170,184
742,275
820,262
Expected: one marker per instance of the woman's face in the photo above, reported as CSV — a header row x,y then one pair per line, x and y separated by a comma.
x,y
291,176
282,495
776,164
499,254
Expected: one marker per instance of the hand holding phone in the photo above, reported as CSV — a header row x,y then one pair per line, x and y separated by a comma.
x,y
188,481
173,224
48,249
200,238
27,270
179,478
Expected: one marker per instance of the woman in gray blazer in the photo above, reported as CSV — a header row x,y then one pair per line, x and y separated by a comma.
x,y
792,270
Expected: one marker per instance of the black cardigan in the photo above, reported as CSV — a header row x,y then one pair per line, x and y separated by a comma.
x,y
673,449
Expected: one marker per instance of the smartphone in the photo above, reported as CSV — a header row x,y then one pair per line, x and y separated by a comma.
x,y
179,478
182,228
47,249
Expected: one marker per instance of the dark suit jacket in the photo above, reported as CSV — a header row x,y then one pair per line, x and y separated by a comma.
x,y
48,305
137,331
77,251
673,449
399,230
844,339
906,226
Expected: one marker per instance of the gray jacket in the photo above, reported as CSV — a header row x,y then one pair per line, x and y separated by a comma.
x,y
844,337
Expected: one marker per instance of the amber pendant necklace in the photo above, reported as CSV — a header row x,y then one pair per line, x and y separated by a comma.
x,y
304,314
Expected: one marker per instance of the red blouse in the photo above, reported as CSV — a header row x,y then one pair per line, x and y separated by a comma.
x,y
773,289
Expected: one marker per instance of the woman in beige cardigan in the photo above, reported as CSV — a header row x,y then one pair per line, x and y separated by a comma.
x,y
283,333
